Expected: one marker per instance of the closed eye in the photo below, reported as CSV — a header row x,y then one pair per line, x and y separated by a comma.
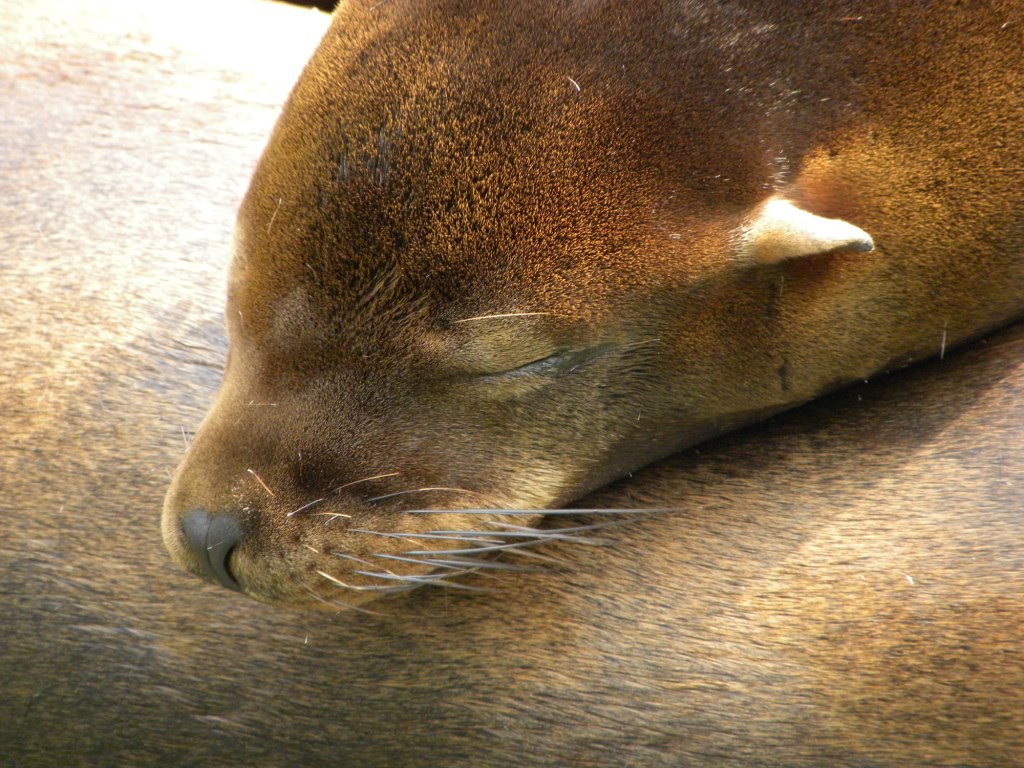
x,y
561,362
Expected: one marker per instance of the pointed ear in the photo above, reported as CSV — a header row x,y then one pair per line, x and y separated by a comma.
x,y
781,231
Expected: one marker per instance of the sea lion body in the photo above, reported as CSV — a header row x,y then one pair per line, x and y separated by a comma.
x,y
839,586
498,254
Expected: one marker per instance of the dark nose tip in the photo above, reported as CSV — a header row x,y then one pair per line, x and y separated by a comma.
x,y
212,537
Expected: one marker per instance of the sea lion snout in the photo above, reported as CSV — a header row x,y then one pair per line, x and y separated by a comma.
x,y
262,517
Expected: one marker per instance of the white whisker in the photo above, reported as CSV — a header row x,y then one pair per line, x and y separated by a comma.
x,y
260,481
508,315
357,588
544,512
430,580
304,506
342,604
420,490
353,558
333,515
363,480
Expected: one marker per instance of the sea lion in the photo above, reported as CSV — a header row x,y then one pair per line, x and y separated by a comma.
x,y
498,254
840,586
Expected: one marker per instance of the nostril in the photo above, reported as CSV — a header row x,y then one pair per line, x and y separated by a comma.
x,y
211,538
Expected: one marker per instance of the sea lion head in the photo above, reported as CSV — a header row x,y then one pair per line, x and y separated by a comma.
x,y
490,259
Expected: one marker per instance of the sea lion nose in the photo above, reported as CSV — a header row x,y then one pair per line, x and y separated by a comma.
x,y
211,538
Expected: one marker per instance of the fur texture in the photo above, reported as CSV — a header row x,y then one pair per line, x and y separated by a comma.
x,y
495,255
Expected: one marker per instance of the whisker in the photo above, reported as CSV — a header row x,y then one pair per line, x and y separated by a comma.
x,y
363,480
523,530
420,581
473,564
304,506
421,561
462,550
400,535
526,552
477,535
413,578
363,588
260,481
332,515
353,558
511,527
515,547
464,565
343,605
559,534
495,539
510,314
473,551
545,512
419,490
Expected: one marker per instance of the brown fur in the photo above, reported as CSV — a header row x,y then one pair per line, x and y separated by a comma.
x,y
594,166
841,586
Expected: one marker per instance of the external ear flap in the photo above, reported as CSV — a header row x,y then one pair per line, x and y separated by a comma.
x,y
782,231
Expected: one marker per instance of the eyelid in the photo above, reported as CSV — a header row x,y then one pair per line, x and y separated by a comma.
x,y
562,361
498,350
539,365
